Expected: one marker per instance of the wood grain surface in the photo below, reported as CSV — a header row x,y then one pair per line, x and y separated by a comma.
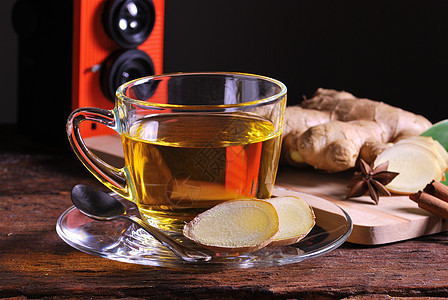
x,y
36,263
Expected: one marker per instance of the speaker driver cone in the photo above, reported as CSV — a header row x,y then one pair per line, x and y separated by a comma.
x,y
123,66
129,22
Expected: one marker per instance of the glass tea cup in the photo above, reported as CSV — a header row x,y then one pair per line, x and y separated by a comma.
x,y
190,141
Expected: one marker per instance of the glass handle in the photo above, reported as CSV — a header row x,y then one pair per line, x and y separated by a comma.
x,y
113,178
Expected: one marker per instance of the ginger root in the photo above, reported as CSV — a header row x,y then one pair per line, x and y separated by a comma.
x,y
331,139
334,146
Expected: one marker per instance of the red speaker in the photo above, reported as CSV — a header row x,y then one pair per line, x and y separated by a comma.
x,y
76,53
114,41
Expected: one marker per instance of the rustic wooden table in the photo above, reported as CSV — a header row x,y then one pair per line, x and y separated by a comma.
x,y
36,263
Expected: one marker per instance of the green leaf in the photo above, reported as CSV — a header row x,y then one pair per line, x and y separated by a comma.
x,y
439,132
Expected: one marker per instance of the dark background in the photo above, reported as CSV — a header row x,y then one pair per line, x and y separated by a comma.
x,y
393,51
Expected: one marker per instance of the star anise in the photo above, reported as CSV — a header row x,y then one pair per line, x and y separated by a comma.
x,y
372,181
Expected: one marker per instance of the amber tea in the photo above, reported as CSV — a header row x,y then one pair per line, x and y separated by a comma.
x,y
185,163
191,140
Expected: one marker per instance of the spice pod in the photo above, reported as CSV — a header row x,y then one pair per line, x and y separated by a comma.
x,y
433,198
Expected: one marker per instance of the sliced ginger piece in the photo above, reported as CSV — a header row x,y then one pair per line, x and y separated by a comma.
x,y
432,145
415,164
235,226
248,225
296,219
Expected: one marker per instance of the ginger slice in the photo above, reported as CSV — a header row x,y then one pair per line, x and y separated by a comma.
x,y
235,226
432,145
415,164
296,219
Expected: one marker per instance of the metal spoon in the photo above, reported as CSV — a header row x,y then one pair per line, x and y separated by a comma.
x,y
101,206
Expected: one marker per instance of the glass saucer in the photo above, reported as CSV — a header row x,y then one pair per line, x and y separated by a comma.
x,y
122,241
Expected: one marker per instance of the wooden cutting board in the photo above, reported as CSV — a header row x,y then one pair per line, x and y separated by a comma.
x,y
394,219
